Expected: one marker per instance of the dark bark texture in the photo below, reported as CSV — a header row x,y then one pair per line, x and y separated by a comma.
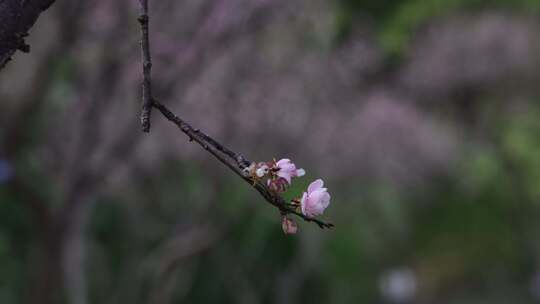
x,y
16,19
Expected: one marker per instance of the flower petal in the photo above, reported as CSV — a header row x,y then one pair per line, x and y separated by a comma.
x,y
282,162
303,202
285,175
315,185
325,200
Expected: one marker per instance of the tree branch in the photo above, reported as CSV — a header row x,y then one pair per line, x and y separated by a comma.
x,y
234,161
146,109
16,19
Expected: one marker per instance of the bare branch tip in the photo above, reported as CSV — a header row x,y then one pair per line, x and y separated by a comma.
x,y
143,19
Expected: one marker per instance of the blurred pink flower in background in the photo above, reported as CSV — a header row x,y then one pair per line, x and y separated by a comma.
x,y
315,200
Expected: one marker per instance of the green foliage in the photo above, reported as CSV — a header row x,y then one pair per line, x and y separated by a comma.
x,y
16,242
396,21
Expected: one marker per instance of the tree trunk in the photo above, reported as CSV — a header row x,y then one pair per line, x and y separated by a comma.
x,y
16,19
46,287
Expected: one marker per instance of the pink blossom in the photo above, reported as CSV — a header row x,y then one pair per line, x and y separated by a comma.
x,y
289,226
315,200
287,169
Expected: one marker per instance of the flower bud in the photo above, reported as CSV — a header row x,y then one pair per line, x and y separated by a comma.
x,y
278,184
289,226
262,170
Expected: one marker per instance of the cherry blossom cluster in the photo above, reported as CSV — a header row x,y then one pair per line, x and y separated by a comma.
x,y
278,176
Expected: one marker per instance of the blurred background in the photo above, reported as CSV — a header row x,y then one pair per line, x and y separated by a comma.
x,y
422,116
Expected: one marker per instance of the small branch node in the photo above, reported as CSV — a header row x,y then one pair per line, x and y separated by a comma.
x,y
143,19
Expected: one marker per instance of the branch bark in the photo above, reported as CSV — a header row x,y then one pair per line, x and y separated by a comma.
x,y
147,67
16,19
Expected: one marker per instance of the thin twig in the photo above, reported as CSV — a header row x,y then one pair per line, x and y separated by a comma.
x,y
147,67
234,161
